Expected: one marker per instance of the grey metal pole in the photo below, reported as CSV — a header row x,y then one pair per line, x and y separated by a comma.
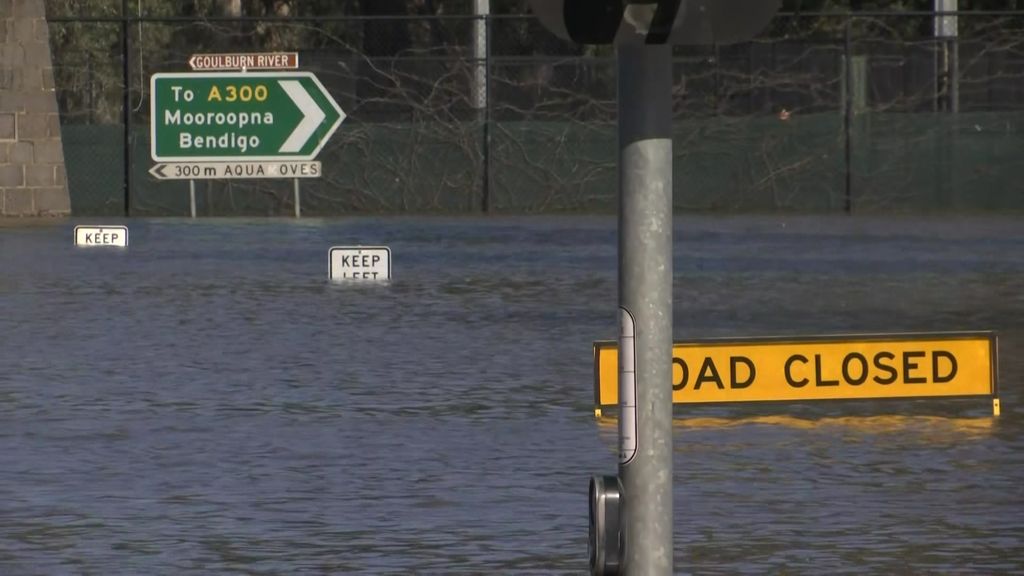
x,y
481,90
946,31
954,74
481,12
298,199
192,197
645,306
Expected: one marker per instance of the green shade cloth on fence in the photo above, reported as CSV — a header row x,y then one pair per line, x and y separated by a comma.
x,y
898,162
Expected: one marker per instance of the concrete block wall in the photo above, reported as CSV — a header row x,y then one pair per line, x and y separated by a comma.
x,y
33,180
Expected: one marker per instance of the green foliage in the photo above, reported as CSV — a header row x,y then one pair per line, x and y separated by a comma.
x,y
86,61
87,54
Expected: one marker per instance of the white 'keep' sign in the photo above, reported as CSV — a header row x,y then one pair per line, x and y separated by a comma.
x,y
101,236
360,263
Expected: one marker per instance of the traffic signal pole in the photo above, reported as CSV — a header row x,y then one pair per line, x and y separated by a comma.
x,y
631,515
645,306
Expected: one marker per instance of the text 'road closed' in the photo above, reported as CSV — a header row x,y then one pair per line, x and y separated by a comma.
x,y
905,366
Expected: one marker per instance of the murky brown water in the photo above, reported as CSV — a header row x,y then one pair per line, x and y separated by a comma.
x,y
207,403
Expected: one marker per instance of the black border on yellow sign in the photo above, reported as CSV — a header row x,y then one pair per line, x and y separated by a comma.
x,y
824,339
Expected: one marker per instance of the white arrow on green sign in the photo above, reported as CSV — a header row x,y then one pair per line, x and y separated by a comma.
x,y
240,116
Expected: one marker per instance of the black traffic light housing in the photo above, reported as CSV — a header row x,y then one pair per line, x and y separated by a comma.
x,y
655,21
592,22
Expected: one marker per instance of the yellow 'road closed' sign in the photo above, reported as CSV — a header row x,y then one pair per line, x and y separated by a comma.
x,y
958,364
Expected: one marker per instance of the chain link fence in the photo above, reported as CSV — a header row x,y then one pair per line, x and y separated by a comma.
x,y
824,112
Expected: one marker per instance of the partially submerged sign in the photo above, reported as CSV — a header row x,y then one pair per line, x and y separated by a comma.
x,y
961,364
360,263
116,236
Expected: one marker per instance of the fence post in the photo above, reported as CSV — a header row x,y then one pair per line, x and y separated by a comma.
x,y
954,75
487,118
946,32
126,112
92,88
482,91
847,113
718,78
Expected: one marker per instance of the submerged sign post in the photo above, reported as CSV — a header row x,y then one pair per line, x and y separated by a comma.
x,y
116,236
833,368
359,263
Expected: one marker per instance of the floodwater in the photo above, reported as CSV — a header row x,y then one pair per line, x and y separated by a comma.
x,y
206,402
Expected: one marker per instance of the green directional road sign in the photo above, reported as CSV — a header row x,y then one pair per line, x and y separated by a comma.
x,y
219,117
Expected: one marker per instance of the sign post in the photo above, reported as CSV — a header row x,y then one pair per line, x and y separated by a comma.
x,y
643,33
645,305
240,124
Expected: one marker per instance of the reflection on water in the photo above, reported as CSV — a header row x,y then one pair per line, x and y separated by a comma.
x,y
928,427
207,402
